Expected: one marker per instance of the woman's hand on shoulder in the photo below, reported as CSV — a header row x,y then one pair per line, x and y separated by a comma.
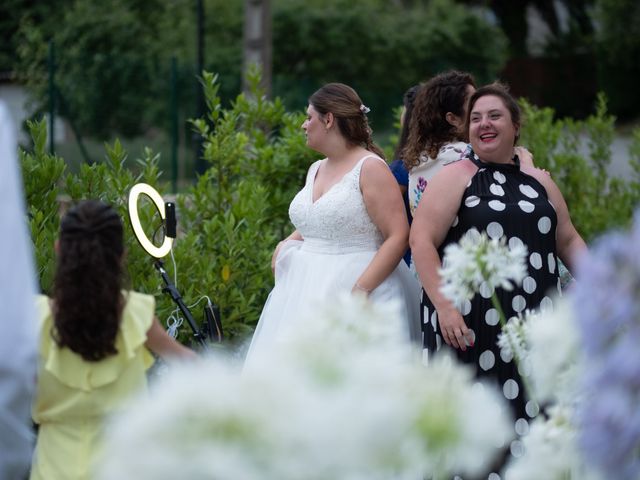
x,y
526,159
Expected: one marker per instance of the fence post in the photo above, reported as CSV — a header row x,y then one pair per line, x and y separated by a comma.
x,y
52,97
200,166
173,112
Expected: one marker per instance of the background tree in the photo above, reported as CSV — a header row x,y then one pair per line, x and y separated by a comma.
x,y
618,47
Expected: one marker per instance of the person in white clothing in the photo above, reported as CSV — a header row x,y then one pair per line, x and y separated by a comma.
x,y
350,224
17,291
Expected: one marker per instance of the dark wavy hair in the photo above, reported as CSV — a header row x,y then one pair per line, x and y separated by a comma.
x,y
501,91
87,298
407,101
345,105
428,127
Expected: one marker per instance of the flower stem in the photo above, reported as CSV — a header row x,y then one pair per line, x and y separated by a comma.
x,y
528,391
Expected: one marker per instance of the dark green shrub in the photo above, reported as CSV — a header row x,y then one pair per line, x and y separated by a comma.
x,y
378,47
229,222
618,50
577,153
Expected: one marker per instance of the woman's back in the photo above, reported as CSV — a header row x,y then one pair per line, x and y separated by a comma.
x,y
75,395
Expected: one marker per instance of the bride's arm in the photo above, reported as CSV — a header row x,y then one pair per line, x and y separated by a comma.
x,y
383,201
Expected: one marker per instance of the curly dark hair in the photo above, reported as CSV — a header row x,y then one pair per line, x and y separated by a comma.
x,y
345,105
407,101
87,298
428,126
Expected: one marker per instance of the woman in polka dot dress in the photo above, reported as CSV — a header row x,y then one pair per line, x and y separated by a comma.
x,y
491,191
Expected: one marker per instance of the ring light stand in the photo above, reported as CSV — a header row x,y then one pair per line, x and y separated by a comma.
x,y
167,213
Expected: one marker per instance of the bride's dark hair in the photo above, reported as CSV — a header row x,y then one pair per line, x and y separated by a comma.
x,y
87,298
350,114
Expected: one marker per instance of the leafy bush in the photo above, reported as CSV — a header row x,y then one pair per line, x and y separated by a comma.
x,y
229,222
578,154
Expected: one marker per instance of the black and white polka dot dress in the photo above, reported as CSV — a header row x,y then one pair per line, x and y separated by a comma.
x,y
502,200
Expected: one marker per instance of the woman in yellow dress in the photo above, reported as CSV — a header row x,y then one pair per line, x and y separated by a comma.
x,y
93,343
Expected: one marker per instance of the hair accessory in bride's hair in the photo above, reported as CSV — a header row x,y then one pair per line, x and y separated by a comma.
x,y
364,109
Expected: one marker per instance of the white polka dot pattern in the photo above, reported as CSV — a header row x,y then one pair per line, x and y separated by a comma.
x,y
546,305
497,205
544,225
511,206
510,389
526,207
466,307
496,190
515,242
487,360
495,230
529,285
535,259
518,303
492,317
528,191
522,426
517,448
532,409
506,356
472,201
485,290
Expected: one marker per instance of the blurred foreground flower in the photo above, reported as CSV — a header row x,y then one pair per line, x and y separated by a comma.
x,y
348,404
477,263
607,304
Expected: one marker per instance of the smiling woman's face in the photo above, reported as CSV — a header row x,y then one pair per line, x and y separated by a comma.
x,y
492,133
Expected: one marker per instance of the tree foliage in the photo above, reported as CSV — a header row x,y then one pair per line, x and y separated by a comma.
x,y
577,153
378,47
618,47
113,56
229,221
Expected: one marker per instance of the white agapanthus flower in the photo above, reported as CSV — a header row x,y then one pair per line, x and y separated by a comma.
x,y
344,406
551,451
478,261
555,354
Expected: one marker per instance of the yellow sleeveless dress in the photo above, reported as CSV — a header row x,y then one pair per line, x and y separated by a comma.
x,y
74,397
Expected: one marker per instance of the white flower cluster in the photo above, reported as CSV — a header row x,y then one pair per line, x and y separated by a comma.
x,y
551,451
480,264
548,345
341,401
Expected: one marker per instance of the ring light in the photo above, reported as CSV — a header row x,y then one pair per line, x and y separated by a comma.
x,y
156,199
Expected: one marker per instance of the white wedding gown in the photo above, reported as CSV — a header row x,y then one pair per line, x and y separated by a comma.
x,y
340,241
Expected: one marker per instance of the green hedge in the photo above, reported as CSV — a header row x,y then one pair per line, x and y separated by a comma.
x,y
231,219
597,200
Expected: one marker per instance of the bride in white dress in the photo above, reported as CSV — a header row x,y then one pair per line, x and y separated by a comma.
x,y
351,227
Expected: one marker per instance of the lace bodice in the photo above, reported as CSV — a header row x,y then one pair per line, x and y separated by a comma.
x,y
338,221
